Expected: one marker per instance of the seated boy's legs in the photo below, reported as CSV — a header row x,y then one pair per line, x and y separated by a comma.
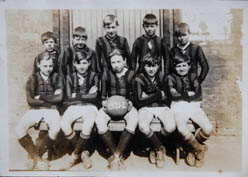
x,y
102,120
182,118
88,113
166,116
203,133
146,116
51,117
132,119
102,125
31,119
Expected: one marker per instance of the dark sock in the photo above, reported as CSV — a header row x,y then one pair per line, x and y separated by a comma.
x,y
109,141
201,136
124,141
44,145
28,144
80,145
155,141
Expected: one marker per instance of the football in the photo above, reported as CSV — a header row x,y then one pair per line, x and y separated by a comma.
x,y
117,105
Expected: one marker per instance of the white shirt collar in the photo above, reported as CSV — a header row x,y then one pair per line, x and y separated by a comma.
x,y
44,77
183,47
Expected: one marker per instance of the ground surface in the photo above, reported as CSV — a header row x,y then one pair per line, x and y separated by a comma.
x,y
224,155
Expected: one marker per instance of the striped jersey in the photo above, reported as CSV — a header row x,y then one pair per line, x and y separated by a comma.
x,y
105,45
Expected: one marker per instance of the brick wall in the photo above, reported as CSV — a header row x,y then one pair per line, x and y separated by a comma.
x,y
24,28
222,100
220,35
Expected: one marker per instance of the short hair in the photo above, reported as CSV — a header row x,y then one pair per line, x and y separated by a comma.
x,y
109,19
47,35
44,56
180,58
150,60
181,28
115,52
80,32
81,55
150,19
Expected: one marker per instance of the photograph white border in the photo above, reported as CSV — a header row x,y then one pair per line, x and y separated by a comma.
x,y
115,4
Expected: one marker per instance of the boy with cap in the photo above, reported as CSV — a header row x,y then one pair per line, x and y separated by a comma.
x,y
81,100
44,90
194,51
106,44
79,44
149,43
152,101
186,96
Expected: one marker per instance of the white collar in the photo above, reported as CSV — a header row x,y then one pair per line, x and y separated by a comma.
x,y
183,47
44,77
122,73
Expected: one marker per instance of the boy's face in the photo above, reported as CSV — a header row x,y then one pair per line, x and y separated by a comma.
x,y
183,38
182,69
79,42
151,70
83,66
46,67
150,29
49,44
117,63
111,29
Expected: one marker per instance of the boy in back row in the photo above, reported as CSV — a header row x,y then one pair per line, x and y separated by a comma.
x,y
149,43
106,44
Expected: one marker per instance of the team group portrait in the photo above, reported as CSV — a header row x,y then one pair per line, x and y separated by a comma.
x,y
124,89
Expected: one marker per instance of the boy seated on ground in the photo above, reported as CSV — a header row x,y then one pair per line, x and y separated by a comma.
x,y
81,100
44,91
185,92
152,101
117,81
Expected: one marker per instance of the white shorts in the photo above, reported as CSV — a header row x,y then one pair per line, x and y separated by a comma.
x,y
186,108
156,111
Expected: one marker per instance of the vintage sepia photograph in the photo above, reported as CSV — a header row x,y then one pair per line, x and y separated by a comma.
x,y
138,90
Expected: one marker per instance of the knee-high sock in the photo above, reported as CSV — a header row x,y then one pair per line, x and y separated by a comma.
x,y
109,142
124,141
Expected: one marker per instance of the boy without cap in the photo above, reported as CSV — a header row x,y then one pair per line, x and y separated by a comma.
x,y
106,44
194,51
117,81
152,101
82,89
185,92
44,90
78,44
49,42
149,43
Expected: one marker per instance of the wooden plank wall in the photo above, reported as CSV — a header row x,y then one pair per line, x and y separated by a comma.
x,y
130,22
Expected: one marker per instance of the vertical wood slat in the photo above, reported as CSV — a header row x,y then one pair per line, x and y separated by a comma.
x,y
56,25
